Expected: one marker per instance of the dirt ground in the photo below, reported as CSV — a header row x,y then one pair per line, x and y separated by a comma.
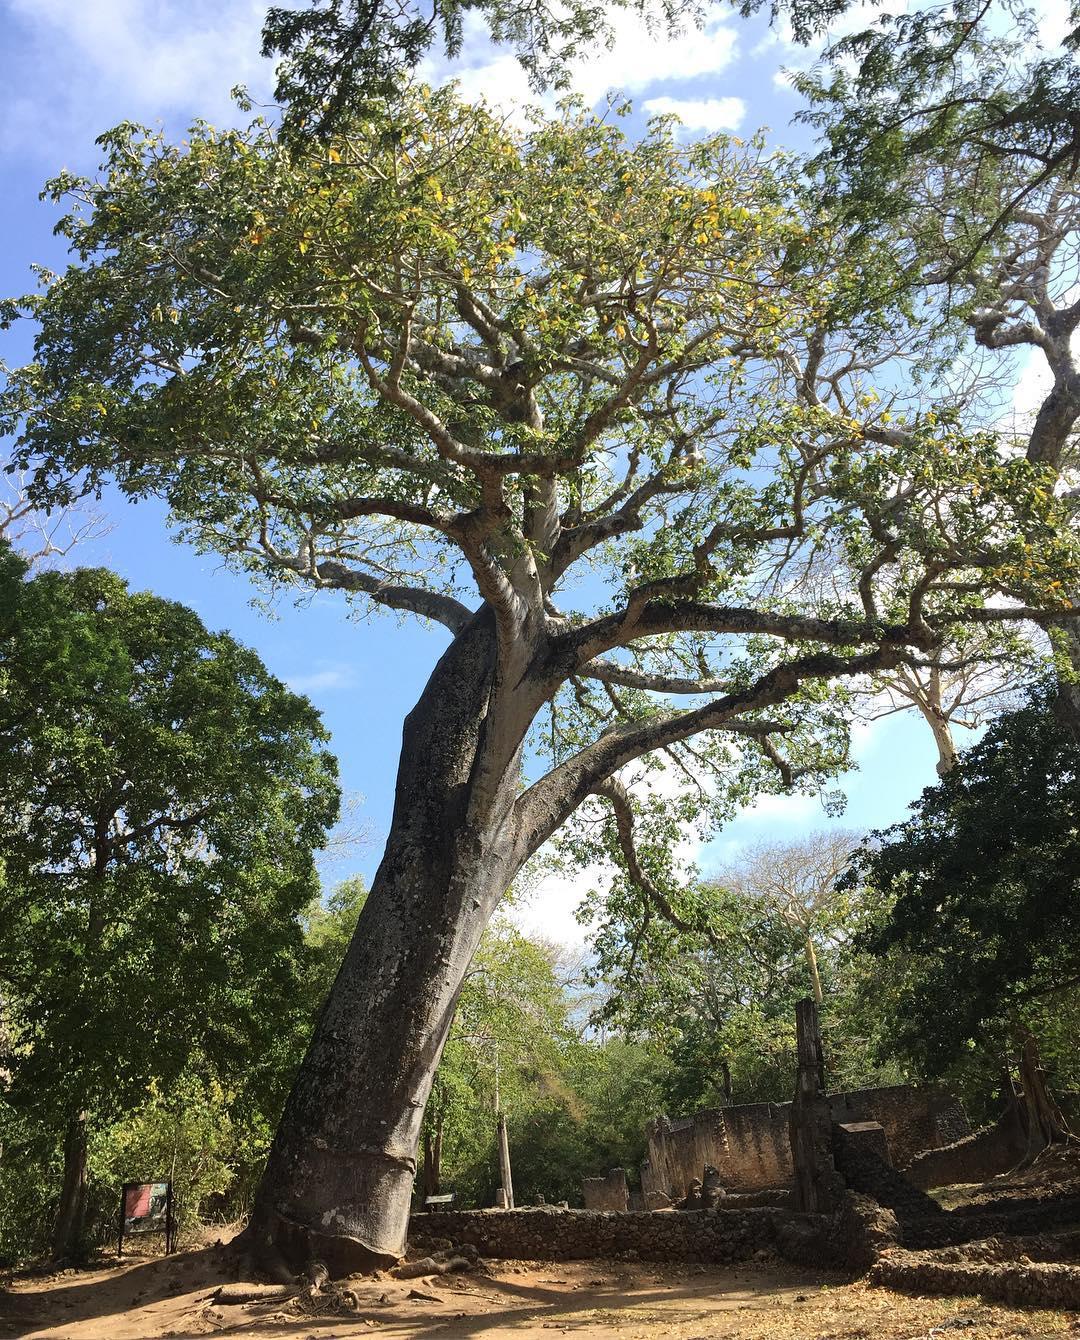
x,y
1056,1172
155,1297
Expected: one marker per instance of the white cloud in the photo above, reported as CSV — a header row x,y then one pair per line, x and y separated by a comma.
x,y
782,808
708,114
547,910
639,58
324,680
1052,22
93,62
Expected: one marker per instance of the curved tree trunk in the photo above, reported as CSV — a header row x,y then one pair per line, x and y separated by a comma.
x,y
1043,1118
71,1212
338,1182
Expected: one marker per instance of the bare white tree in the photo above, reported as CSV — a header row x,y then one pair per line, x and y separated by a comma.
x,y
795,883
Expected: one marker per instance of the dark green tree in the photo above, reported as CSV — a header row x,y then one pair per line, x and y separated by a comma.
x,y
977,933
161,795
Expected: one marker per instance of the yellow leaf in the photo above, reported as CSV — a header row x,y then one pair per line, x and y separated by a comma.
x,y
334,156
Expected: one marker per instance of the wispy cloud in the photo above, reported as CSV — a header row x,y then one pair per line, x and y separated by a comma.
x,y
81,66
639,58
324,680
708,114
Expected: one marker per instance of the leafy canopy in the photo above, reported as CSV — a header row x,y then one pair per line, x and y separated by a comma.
x,y
159,808
641,399
980,892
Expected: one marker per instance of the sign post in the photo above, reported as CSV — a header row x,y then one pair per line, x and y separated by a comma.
x,y
146,1207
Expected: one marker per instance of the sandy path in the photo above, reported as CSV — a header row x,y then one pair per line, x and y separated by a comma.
x,y
151,1298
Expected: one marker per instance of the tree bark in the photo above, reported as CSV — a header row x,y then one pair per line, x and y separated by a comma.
x,y
338,1181
1046,1125
815,976
71,1213
505,1175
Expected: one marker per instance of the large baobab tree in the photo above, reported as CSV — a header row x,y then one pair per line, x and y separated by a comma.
x,y
603,410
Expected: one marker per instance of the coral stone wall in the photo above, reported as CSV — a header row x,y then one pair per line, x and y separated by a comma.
x,y
565,1235
749,1144
679,1150
993,1150
607,1193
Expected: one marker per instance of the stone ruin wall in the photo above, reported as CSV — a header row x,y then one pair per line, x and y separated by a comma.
x,y
750,1147
566,1235
974,1158
611,1192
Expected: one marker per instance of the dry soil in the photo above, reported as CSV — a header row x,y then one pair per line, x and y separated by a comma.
x,y
176,1297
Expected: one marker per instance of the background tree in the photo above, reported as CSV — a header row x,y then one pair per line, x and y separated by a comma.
x,y
38,535
160,806
342,54
448,368
976,929
717,1006
796,883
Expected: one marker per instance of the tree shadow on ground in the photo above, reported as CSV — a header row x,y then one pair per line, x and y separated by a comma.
x,y
192,1278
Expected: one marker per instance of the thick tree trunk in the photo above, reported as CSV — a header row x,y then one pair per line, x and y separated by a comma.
x,y
71,1214
338,1182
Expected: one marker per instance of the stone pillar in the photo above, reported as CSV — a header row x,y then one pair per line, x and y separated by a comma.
x,y
810,1124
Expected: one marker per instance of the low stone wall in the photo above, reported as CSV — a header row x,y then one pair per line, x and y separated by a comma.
x,y
571,1235
1032,1283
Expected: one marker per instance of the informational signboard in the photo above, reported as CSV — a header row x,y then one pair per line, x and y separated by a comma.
x,y
146,1207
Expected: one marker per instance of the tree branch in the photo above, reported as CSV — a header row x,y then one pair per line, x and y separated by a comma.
x,y
551,800
613,791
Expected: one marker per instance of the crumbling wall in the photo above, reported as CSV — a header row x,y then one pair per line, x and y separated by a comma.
x,y
678,1151
610,1192
758,1145
913,1119
862,1157
750,1147
979,1156
571,1235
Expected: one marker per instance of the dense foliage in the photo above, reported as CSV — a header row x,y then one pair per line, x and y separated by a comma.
x,y
159,809
975,936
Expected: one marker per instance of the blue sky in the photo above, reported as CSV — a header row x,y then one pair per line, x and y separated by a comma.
x,y
72,69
